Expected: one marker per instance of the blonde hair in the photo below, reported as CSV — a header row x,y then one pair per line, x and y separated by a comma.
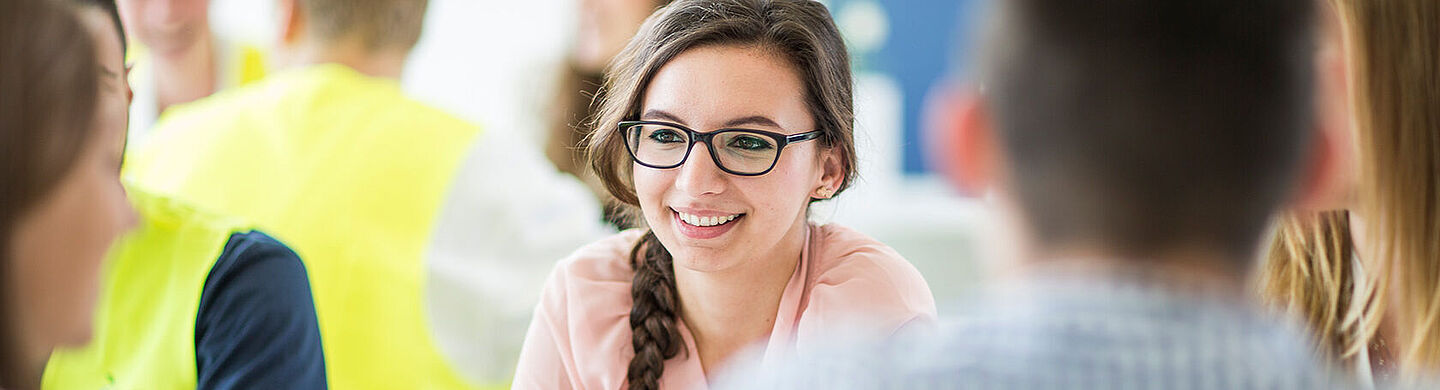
x,y
1308,272
1395,75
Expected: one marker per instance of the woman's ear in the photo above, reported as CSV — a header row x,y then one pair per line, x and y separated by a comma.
x,y
832,173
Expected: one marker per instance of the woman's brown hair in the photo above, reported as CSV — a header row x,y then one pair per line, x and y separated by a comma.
x,y
49,84
1395,79
799,31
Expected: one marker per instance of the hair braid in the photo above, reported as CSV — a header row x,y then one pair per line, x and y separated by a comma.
x,y
654,336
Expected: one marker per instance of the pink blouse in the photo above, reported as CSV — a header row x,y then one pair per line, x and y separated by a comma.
x,y
580,335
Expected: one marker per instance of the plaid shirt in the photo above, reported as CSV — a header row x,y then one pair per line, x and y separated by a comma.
x,y
1073,333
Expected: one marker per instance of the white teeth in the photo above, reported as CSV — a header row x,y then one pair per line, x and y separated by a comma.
x,y
706,221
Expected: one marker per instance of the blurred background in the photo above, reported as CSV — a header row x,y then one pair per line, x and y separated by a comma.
x,y
500,64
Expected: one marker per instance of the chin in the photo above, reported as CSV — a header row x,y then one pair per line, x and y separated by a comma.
x,y
80,328
703,259
703,264
77,334
82,336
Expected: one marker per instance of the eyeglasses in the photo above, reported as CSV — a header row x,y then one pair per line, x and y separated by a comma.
x,y
743,152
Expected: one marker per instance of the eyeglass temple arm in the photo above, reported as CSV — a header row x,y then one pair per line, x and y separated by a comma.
x,y
802,136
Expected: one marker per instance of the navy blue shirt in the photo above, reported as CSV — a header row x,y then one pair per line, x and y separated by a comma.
x,y
256,326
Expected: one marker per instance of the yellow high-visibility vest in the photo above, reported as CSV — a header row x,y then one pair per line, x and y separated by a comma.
x,y
237,64
144,335
351,174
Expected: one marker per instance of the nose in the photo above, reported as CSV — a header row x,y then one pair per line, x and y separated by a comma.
x,y
699,175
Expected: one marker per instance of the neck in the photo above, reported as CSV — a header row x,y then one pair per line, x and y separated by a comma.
x,y
190,73
731,309
1212,272
383,63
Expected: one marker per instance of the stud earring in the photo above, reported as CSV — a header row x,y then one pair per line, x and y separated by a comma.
x,y
826,192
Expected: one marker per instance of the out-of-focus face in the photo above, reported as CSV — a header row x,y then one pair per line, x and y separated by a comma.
x,y
604,27
115,94
165,26
1336,107
60,242
720,87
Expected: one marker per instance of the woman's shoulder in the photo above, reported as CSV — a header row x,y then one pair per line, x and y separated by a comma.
x,y
839,252
605,260
855,275
588,294
580,332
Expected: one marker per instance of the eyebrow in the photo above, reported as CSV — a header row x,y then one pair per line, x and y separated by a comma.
x,y
657,114
752,120
749,120
108,73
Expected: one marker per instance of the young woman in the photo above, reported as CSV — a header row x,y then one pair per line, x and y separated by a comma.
x,y
1367,276
62,204
722,122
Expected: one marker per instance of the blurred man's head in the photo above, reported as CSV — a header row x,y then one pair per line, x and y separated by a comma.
x,y
1141,128
373,25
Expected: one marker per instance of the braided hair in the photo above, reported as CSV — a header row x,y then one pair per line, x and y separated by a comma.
x,y
655,337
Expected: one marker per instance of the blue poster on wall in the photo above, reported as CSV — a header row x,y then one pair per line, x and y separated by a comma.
x,y
923,42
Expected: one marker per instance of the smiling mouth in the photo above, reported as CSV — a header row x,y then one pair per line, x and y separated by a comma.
x,y
698,221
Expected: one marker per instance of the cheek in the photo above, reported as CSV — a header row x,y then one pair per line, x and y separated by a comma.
x,y
650,187
194,11
800,172
1348,157
59,251
116,113
776,193
783,192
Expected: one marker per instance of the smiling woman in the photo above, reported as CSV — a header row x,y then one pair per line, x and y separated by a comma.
x,y
730,258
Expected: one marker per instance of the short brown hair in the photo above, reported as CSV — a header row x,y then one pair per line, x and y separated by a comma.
x,y
377,24
1145,126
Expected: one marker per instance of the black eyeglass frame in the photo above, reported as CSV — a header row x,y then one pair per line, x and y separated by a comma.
x,y
781,141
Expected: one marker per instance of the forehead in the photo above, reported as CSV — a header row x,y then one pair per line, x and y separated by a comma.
x,y
104,33
710,85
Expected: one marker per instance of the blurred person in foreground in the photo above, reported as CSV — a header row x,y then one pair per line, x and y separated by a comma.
x,y
61,204
179,58
406,217
1362,265
188,299
1135,149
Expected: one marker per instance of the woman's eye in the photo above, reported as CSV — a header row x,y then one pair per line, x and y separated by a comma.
x,y
750,142
666,136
